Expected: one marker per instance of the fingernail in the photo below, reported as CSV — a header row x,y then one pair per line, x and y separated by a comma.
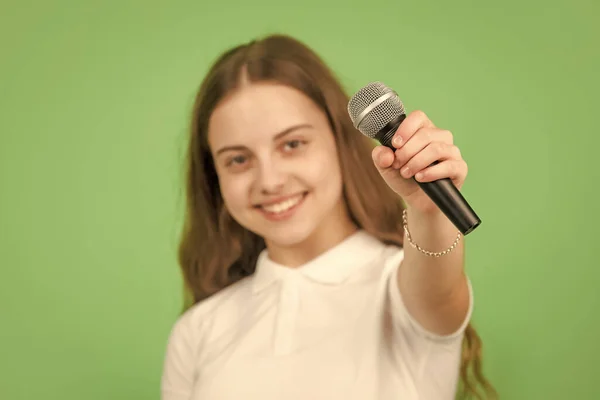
x,y
397,141
405,172
419,176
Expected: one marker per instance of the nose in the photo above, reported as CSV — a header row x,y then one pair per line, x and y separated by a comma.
x,y
271,177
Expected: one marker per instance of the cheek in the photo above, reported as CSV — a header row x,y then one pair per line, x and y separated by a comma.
x,y
234,190
323,171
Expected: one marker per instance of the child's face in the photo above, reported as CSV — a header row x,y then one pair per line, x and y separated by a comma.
x,y
277,163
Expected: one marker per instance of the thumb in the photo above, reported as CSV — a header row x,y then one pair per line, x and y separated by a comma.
x,y
383,157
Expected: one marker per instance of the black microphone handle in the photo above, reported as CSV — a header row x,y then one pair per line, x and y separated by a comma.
x,y
442,192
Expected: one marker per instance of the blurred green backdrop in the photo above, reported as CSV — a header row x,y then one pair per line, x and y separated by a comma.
x,y
94,104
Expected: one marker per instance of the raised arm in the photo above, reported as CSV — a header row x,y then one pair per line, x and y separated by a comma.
x,y
434,288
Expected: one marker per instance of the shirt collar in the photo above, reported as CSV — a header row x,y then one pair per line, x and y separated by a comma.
x,y
331,267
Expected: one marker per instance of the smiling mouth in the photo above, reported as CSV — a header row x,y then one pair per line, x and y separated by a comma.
x,y
283,207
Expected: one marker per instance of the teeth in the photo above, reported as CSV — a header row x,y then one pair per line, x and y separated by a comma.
x,y
283,206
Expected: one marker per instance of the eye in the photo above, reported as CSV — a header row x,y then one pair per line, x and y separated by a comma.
x,y
292,145
236,160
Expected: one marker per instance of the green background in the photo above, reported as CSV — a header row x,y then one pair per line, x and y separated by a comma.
x,y
94,105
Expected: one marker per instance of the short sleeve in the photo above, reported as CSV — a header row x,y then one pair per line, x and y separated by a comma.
x,y
404,321
178,369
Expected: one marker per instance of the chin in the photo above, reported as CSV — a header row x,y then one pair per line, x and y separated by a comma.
x,y
288,236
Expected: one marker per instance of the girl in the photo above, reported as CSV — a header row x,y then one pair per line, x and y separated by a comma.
x,y
297,281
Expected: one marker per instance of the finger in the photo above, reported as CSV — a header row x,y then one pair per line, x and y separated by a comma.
x,y
413,122
383,157
418,142
436,151
456,170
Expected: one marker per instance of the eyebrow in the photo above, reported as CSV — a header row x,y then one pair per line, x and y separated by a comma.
x,y
281,134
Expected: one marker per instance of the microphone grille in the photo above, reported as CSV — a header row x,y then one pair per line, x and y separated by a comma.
x,y
373,107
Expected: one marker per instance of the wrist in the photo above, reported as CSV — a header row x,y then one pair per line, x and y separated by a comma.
x,y
430,230
426,215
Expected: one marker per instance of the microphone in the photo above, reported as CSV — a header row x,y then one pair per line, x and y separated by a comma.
x,y
377,112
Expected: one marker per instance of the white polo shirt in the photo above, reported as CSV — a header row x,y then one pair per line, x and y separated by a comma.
x,y
334,328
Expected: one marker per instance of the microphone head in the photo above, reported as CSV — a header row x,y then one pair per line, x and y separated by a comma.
x,y
373,107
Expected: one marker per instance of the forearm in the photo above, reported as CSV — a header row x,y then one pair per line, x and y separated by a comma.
x,y
434,289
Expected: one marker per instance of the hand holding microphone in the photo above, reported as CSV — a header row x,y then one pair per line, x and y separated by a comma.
x,y
418,160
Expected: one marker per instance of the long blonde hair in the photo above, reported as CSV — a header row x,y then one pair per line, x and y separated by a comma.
x,y
215,251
